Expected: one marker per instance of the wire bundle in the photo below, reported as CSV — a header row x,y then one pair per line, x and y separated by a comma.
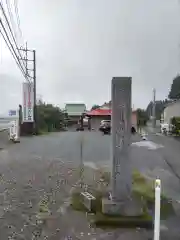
x,y
9,34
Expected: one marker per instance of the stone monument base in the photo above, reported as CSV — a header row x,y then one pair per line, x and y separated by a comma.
x,y
130,208
16,140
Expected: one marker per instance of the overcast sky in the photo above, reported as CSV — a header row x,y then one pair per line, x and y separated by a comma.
x,y
82,44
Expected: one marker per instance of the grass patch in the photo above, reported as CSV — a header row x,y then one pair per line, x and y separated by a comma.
x,y
76,202
102,220
142,188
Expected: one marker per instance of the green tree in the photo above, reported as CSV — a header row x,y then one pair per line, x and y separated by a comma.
x,y
175,89
95,106
49,117
141,117
159,107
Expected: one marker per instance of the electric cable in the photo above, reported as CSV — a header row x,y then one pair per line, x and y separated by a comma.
x,y
11,18
12,50
7,21
17,16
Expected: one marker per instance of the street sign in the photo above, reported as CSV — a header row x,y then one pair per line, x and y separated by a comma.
x,y
28,102
12,112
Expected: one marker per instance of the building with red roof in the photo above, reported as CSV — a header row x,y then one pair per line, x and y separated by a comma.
x,y
104,113
99,112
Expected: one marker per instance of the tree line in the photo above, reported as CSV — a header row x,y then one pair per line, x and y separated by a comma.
x,y
49,118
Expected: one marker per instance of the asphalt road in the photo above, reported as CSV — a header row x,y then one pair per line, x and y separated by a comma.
x,y
37,166
4,124
65,145
4,140
170,152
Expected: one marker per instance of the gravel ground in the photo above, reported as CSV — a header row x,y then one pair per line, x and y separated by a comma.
x,y
23,185
36,168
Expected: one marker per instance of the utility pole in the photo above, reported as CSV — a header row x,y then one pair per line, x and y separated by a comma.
x,y
154,109
34,78
26,62
81,160
26,59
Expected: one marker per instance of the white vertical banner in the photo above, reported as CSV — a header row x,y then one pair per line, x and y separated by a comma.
x,y
28,102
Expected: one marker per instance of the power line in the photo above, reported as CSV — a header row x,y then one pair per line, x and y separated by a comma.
x,y
11,17
12,50
11,32
17,16
13,54
0,50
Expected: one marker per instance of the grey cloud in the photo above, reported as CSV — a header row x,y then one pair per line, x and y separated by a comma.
x,y
11,93
81,45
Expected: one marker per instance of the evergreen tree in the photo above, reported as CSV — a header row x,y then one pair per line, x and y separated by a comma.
x,y
175,89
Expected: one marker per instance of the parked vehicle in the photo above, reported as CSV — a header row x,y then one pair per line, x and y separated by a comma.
x,y
166,128
105,126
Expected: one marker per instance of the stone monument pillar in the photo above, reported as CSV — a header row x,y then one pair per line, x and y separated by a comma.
x,y
121,137
122,201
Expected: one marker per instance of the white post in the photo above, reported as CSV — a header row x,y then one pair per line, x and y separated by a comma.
x,y
81,160
14,128
157,209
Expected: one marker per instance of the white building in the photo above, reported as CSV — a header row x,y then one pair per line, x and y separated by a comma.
x,y
172,110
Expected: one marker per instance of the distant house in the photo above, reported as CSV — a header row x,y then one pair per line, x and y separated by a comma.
x,y
74,111
106,105
171,110
104,113
97,115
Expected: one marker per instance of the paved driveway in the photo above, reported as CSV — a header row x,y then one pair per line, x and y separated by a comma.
x,y
64,145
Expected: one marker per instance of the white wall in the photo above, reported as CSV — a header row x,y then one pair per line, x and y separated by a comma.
x,y
173,110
